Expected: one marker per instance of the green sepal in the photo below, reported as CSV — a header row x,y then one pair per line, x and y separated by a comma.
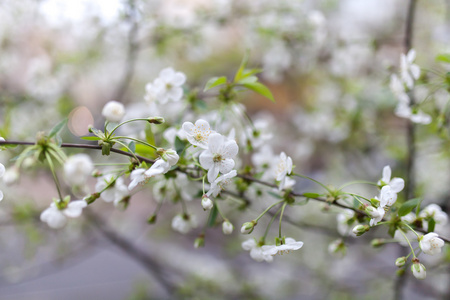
x,y
57,128
215,81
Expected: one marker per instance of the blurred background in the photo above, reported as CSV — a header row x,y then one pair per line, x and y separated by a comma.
x,y
328,65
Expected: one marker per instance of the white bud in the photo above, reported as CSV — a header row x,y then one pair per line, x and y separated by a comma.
x,y
227,227
207,204
113,111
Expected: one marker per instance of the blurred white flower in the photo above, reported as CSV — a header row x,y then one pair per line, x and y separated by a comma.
x,y
403,110
115,192
431,244
433,211
408,70
57,218
166,87
256,251
207,203
343,226
184,223
284,167
138,177
78,168
113,111
198,134
219,156
11,175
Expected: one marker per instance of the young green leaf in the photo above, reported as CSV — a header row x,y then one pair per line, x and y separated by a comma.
x,y
90,138
260,89
240,72
215,81
408,206
213,217
431,225
132,146
57,128
311,195
445,57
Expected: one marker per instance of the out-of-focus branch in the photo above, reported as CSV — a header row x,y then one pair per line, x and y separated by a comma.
x,y
132,53
151,265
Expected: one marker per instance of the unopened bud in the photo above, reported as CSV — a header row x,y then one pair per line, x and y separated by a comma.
x,y
371,211
152,219
419,271
200,241
378,243
207,204
375,202
400,262
91,198
248,227
227,227
156,120
360,229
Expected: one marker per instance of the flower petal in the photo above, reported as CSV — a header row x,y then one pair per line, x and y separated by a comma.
x,y
226,165
397,184
206,159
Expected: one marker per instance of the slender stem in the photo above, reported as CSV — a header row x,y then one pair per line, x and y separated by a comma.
x,y
55,178
409,243
128,148
356,182
313,180
267,209
281,218
123,123
410,228
136,140
270,223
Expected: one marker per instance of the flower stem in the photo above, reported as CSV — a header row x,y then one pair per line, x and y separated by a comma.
x,y
412,250
410,228
281,218
313,180
125,122
267,209
136,140
55,178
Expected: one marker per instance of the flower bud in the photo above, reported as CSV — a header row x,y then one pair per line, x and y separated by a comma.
x,y
337,248
113,111
171,156
418,270
200,241
152,219
156,120
378,242
207,204
91,198
248,227
360,229
371,211
400,262
227,227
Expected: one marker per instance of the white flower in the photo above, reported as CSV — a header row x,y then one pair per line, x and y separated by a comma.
x,y
408,70
115,192
138,177
207,204
220,183
256,251
376,214
227,227
398,88
431,244
113,111
167,86
219,156
397,184
2,172
387,197
78,168
337,248
57,218
434,211
418,270
198,134
159,167
415,115
290,244
284,167
343,226
11,175
170,156
184,224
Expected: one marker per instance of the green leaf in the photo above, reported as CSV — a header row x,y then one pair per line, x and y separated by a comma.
x,y
250,79
213,216
431,225
250,72
57,128
445,57
215,81
179,145
90,138
132,146
149,136
311,195
240,72
260,89
144,150
274,195
408,206
97,132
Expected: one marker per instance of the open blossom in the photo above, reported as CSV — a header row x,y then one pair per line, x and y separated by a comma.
x,y
387,197
408,70
376,214
57,218
219,156
166,87
397,184
115,192
431,244
289,245
343,226
433,211
113,111
256,252
220,183
184,223
2,172
78,168
198,134
284,167
416,115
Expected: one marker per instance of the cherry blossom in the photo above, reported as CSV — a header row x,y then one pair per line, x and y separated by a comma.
x,y
256,251
78,168
431,244
284,167
198,134
113,111
57,218
289,245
